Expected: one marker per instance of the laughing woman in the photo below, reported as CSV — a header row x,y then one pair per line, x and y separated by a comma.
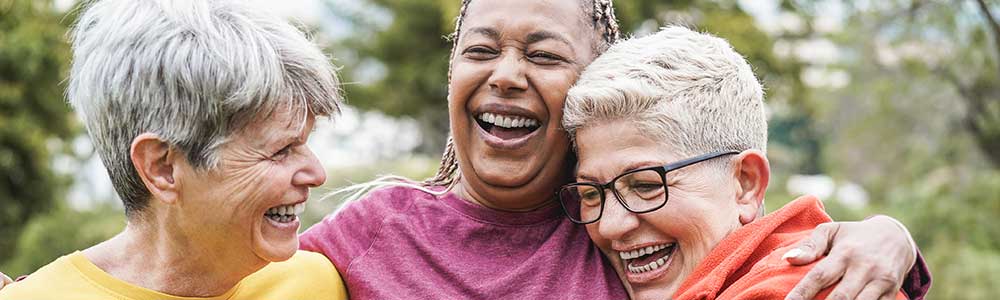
x,y
200,111
670,132
486,226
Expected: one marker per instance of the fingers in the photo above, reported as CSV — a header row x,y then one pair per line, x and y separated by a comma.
x,y
879,288
822,275
815,246
851,285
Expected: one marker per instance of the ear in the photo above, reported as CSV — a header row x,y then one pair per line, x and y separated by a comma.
x,y
753,173
155,161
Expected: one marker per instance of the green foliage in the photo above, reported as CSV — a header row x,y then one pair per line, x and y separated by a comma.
x,y
414,52
61,232
33,56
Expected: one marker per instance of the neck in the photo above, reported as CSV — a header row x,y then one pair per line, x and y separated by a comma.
x,y
511,200
163,259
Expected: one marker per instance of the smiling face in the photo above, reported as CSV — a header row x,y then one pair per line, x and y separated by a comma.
x,y
512,65
251,201
656,251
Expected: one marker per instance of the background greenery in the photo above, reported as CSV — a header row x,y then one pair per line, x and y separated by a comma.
x,y
906,109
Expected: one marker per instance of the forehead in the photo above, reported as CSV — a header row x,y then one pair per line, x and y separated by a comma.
x,y
609,148
280,125
564,17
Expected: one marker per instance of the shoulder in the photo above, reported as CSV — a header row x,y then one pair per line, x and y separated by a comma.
x,y
57,280
351,230
373,208
302,261
305,274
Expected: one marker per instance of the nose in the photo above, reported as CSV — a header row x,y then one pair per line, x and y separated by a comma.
x,y
508,76
616,222
312,173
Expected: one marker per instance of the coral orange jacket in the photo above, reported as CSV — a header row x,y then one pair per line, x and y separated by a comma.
x,y
747,264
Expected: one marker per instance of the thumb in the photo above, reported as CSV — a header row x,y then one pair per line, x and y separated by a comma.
x,y
814,247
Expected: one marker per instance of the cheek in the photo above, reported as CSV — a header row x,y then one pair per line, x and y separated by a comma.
x,y
596,237
249,189
465,78
697,223
553,88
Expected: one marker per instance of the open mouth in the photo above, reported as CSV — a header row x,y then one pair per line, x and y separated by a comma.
x,y
285,213
647,259
507,127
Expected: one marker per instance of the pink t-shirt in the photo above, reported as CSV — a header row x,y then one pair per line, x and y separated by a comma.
x,y
401,243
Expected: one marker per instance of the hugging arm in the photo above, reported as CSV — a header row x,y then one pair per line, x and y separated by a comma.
x,y
868,260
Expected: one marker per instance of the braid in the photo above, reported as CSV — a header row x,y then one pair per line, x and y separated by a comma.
x,y
604,20
607,22
448,170
449,167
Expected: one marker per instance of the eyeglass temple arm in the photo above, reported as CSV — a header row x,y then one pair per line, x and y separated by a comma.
x,y
700,158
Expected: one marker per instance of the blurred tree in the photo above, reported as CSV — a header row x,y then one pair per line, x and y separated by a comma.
x,y
397,59
33,115
60,232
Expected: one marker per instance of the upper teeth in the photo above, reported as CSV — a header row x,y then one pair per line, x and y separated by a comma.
x,y
507,121
288,209
642,251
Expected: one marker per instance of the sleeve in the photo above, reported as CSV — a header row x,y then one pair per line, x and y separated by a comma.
x,y
327,274
346,234
773,278
918,281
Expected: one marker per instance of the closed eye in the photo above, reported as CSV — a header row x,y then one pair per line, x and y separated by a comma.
x,y
479,53
282,153
545,58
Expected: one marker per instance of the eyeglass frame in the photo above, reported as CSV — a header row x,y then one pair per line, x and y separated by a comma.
x,y
662,170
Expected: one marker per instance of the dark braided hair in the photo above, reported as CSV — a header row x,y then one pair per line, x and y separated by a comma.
x,y
604,22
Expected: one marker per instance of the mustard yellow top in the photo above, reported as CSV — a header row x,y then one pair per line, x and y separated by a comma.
x,y
307,275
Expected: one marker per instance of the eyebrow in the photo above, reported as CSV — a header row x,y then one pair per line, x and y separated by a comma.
x,y
628,168
542,35
532,38
488,32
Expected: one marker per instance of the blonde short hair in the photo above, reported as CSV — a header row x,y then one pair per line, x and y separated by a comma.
x,y
690,90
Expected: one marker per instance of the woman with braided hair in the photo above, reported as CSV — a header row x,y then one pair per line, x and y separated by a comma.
x,y
486,225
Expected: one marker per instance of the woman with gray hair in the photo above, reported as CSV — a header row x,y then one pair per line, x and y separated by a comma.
x,y
200,111
671,135
487,225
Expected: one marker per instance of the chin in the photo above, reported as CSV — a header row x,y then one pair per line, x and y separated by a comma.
x,y
277,251
506,175
656,293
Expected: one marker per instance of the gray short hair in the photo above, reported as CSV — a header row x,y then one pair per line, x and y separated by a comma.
x,y
191,71
688,89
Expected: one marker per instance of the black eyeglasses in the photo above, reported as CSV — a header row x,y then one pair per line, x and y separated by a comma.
x,y
639,191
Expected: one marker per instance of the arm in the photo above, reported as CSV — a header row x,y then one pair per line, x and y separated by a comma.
x,y
773,278
870,259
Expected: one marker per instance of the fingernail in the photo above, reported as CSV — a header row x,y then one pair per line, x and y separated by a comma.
x,y
792,253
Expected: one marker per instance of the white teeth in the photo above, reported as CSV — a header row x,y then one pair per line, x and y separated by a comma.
x,y
642,251
508,121
285,210
653,265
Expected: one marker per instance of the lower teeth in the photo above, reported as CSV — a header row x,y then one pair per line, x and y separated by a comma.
x,y
281,218
653,265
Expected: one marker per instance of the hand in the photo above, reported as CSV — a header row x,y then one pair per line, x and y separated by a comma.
x,y
870,259
4,280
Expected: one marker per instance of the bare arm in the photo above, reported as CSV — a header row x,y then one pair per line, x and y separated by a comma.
x,y
868,260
